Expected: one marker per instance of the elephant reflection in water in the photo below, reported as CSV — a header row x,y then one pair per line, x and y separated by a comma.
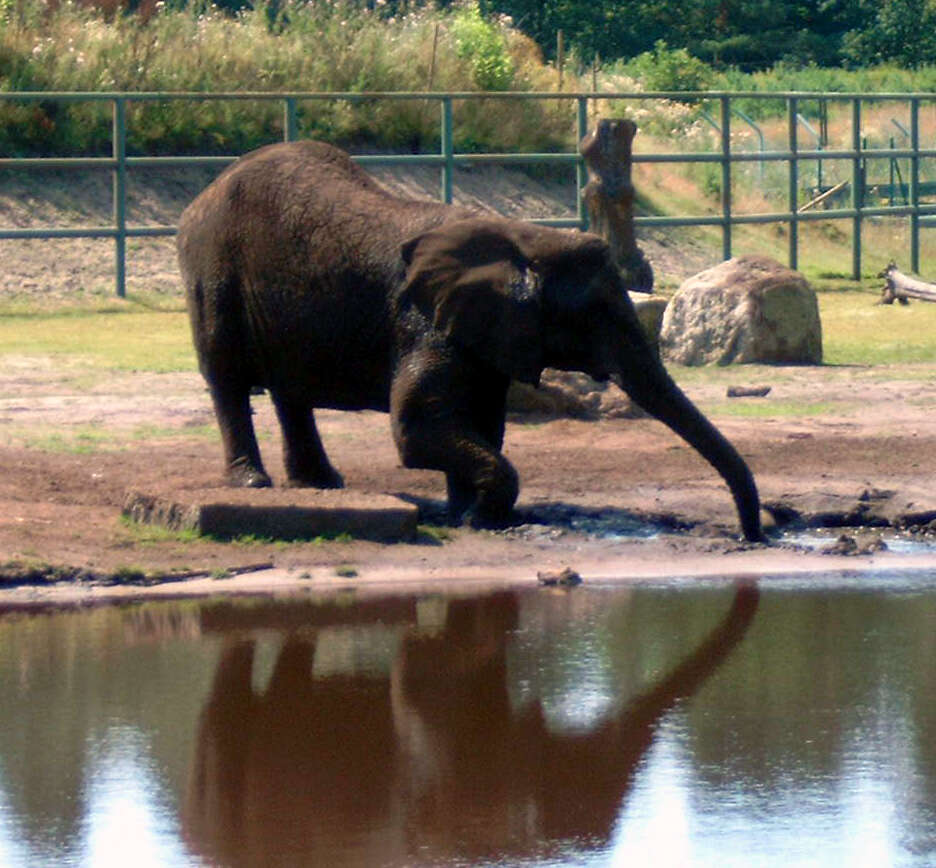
x,y
430,765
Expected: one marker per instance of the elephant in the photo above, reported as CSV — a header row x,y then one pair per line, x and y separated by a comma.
x,y
305,277
433,763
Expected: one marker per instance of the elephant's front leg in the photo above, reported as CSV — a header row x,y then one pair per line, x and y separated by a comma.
x,y
442,424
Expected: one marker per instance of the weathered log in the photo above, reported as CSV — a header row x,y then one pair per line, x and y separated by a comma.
x,y
609,196
902,287
748,391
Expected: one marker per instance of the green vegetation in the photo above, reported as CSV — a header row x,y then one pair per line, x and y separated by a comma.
x,y
127,341
856,331
754,409
82,440
153,534
432,534
354,46
34,572
337,46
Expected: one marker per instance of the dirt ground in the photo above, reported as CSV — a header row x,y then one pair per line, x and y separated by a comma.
x,y
612,498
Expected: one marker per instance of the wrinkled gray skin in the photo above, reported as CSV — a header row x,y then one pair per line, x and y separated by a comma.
x,y
305,277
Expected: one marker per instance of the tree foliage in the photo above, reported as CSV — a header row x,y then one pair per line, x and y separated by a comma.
x,y
748,34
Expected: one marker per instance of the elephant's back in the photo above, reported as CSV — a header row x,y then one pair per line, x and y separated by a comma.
x,y
303,250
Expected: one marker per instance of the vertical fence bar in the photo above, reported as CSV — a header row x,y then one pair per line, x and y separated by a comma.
x,y
726,175
119,150
448,164
793,179
857,188
914,192
581,174
290,120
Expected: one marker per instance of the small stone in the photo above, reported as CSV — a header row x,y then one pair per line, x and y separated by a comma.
x,y
566,577
867,544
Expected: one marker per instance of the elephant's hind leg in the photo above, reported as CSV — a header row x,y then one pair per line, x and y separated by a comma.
x,y
307,465
241,453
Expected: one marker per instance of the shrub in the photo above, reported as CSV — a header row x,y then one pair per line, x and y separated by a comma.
x,y
484,46
669,69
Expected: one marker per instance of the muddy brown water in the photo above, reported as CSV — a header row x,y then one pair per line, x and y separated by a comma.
x,y
790,721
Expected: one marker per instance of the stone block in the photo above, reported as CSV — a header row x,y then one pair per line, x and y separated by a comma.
x,y
291,513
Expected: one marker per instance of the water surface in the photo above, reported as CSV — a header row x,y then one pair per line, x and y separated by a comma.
x,y
790,723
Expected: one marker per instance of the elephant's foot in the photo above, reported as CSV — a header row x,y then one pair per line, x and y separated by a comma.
x,y
485,506
481,519
242,474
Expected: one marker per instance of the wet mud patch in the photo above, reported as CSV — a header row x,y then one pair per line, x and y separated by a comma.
x,y
553,519
869,508
545,519
858,541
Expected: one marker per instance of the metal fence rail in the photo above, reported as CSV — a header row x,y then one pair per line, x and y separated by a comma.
x,y
917,212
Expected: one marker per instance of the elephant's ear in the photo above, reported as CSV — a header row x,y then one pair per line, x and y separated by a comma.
x,y
481,291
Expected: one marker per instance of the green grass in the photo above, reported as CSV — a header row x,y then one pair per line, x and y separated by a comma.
x,y
154,341
152,534
856,331
80,440
163,432
87,439
758,409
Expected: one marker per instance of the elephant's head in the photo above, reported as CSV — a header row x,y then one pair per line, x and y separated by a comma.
x,y
526,297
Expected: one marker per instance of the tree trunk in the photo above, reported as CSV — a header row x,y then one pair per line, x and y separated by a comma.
x,y
609,196
901,287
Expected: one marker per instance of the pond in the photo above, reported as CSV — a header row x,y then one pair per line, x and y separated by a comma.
x,y
783,722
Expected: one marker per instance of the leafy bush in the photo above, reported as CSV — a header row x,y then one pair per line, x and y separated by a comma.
x,y
484,46
669,69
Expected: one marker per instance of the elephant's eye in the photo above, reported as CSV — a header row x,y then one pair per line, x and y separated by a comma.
x,y
526,286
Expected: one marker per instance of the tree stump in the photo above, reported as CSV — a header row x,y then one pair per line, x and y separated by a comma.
x,y
609,197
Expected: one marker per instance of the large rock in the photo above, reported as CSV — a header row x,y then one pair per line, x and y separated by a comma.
x,y
748,309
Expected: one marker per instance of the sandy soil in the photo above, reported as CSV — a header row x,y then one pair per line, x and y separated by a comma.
x,y
613,498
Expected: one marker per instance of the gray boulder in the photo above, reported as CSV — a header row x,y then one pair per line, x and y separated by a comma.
x,y
748,309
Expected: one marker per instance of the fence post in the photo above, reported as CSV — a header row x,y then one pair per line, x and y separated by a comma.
x,y
915,185
448,163
290,120
857,188
609,196
119,151
793,182
726,175
581,175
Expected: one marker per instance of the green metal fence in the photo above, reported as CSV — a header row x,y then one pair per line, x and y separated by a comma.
x,y
918,212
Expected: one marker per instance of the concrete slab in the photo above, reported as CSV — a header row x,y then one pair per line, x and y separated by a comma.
x,y
278,513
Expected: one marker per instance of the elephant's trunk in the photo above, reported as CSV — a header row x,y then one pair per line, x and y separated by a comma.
x,y
652,388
